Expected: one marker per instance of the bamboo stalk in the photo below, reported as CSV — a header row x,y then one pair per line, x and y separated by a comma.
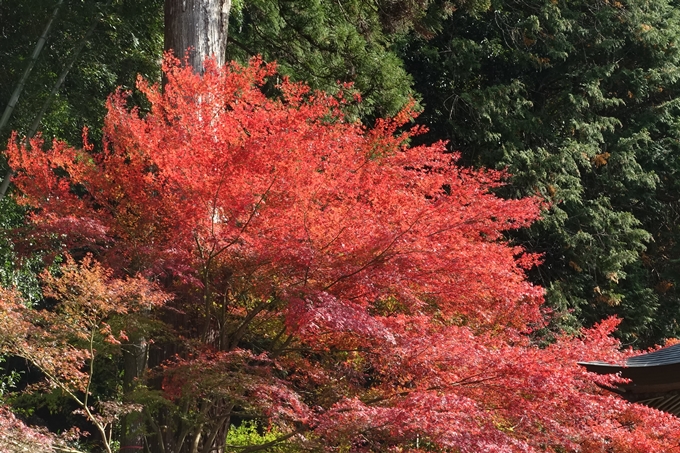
x,y
31,63
53,93
20,86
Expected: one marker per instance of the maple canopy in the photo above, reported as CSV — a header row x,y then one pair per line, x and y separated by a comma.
x,y
329,280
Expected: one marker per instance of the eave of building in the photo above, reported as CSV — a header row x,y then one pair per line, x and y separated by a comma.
x,y
654,378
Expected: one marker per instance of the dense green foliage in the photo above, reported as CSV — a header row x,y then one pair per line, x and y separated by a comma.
x,y
323,42
580,101
126,41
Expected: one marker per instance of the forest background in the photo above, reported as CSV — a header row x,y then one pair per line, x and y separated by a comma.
x,y
577,100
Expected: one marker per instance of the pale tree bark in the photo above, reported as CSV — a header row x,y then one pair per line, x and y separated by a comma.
x,y
199,26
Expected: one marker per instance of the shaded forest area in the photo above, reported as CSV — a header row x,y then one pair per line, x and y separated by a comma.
x,y
392,225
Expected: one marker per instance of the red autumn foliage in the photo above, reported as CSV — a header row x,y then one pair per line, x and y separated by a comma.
x,y
62,342
352,289
17,437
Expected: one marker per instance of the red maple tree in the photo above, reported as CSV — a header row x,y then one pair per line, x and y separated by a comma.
x,y
62,343
329,279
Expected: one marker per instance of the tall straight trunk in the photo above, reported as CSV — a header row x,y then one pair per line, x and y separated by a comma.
x,y
199,26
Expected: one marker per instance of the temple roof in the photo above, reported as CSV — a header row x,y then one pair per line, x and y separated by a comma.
x,y
654,378
661,357
665,356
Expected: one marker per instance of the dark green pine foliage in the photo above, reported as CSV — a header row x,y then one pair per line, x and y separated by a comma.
x,y
580,101
324,42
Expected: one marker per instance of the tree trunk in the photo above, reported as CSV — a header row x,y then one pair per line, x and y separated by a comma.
x,y
199,26
135,359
